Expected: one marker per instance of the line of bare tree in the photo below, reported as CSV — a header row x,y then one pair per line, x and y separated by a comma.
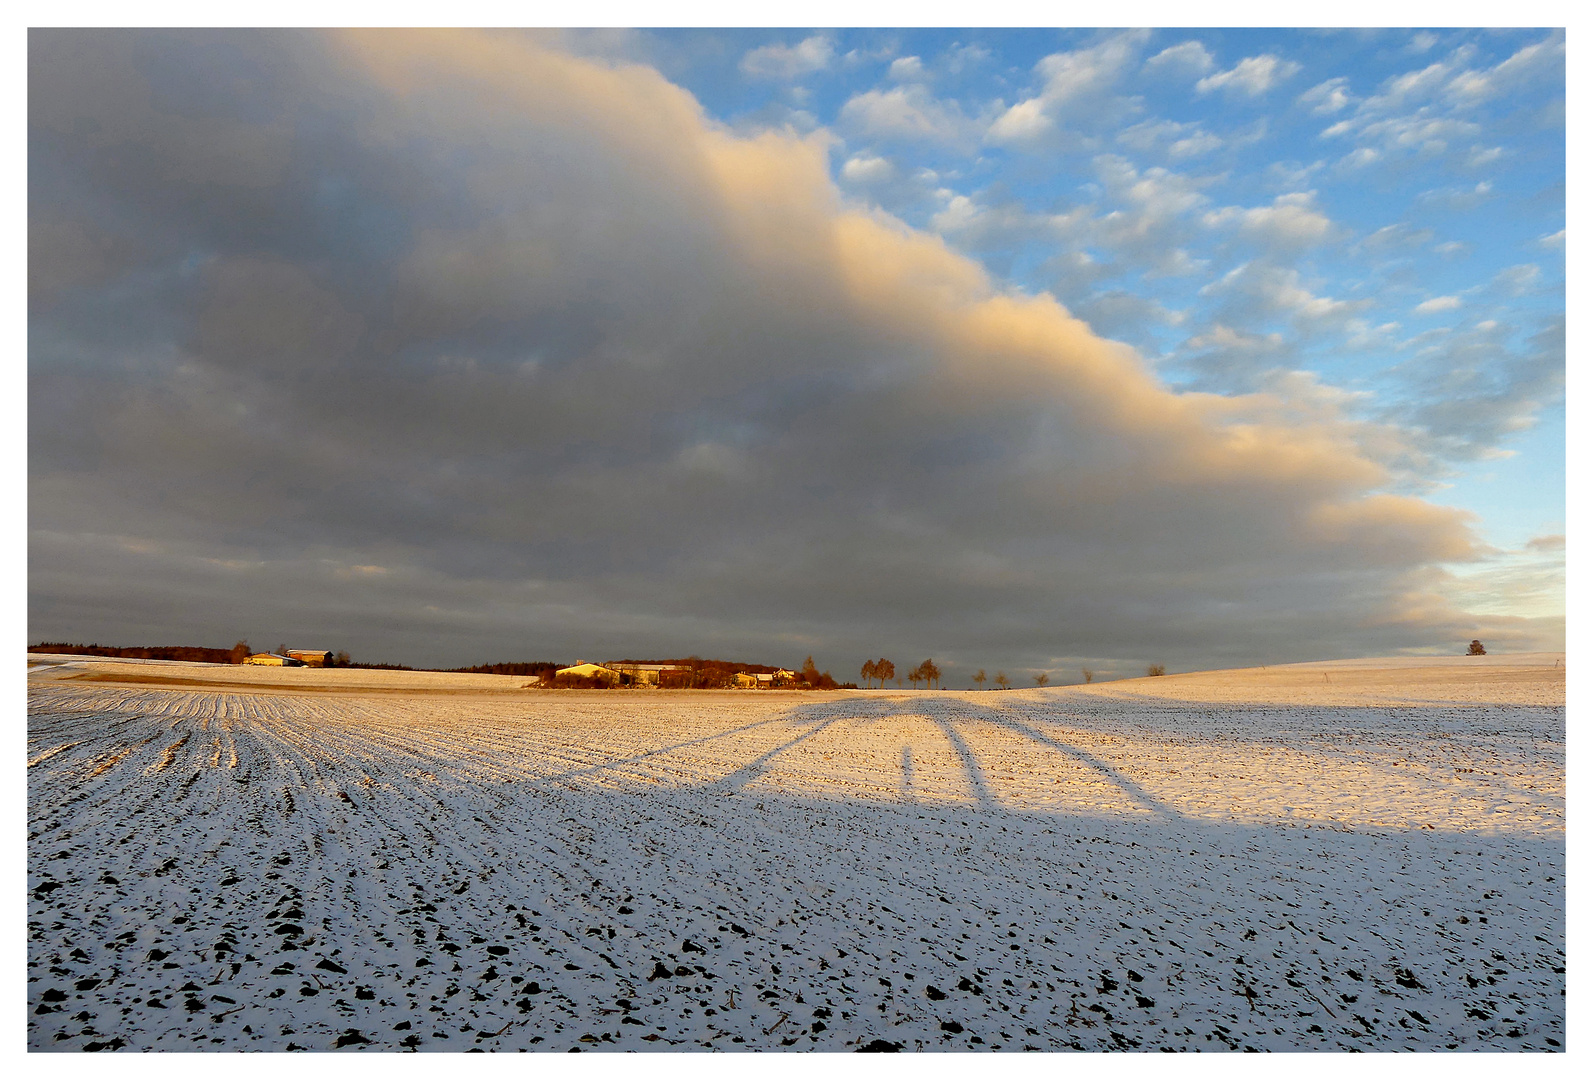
x,y
881,670
877,672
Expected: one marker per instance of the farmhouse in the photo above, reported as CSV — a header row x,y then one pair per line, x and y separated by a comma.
x,y
268,659
642,674
311,657
583,670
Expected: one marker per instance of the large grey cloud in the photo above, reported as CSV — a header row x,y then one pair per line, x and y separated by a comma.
x,y
456,347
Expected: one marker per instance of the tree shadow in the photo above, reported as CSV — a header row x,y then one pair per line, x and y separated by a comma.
x,y
1003,719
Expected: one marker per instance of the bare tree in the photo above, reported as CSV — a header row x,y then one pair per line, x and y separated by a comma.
x,y
931,674
884,669
1476,649
1089,676
868,672
1156,669
240,652
1042,678
916,675
341,659
1002,680
979,678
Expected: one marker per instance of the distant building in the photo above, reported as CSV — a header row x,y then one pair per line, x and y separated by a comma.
x,y
271,659
642,674
584,670
311,657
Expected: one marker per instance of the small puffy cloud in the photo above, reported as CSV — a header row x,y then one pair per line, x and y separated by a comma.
x,y
1259,290
1169,137
1516,280
1326,98
960,58
1484,155
1024,121
1420,131
1468,390
1126,316
1395,237
1251,77
1072,80
1291,223
1542,59
867,169
908,112
1459,198
1546,543
907,69
1554,240
1226,358
1188,58
1291,175
780,61
1437,304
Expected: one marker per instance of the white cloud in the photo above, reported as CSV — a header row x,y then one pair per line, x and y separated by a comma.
x,y
1553,240
1437,304
1359,158
1167,136
1188,58
781,61
1252,76
1071,80
961,57
1024,121
1393,237
1326,97
1481,156
867,169
907,69
1545,58
1259,290
905,112
1516,280
1291,223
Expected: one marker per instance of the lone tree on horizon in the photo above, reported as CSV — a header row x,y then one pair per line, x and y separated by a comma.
x,y
979,678
1042,678
1476,649
1089,676
1002,680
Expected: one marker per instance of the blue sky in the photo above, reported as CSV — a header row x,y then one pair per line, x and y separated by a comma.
x,y
1382,209
457,346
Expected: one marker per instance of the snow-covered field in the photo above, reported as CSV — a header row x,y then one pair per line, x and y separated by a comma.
x,y
1362,855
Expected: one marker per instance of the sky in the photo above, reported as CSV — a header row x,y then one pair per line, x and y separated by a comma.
x,y
1023,350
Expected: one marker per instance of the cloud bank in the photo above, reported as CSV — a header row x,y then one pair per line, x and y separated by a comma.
x,y
449,347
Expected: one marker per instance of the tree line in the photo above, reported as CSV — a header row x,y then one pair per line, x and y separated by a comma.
x,y
876,673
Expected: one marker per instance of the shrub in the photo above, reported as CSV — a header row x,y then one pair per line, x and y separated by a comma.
x,y
1156,669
